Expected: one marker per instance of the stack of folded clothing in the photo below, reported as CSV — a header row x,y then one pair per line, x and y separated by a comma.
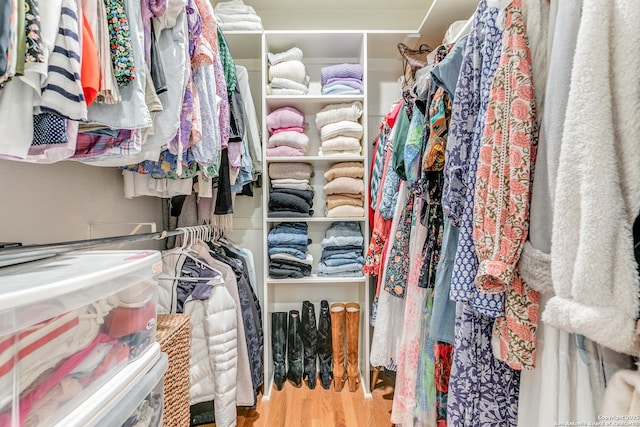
x,y
234,15
342,79
344,190
288,255
342,248
287,73
340,131
286,129
291,195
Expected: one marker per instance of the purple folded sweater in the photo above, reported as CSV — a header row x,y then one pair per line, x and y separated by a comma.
x,y
341,71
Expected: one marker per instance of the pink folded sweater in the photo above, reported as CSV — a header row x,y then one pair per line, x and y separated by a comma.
x,y
284,117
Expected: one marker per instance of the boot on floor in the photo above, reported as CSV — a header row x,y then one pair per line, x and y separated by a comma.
x,y
309,335
294,349
324,345
279,346
338,321
353,333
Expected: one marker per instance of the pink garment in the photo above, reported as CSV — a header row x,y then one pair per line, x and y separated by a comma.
x,y
404,396
284,151
291,139
284,117
289,129
503,192
38,393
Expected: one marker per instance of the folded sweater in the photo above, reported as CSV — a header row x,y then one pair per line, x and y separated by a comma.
x,y
346,211
340,89
280,83
234,7
291,139
294,170
339,153
284,117
337,112
293,54
281,91
296,184
239,26
350,169
341,71
343,185
307,195
287,257
288,202
284,151
292,70
341,143
336,200
341,128
229,18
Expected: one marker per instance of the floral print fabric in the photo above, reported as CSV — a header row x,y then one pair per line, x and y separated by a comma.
x,y
486,49
399,257
505,164
34,50
120,42
503,192
483,391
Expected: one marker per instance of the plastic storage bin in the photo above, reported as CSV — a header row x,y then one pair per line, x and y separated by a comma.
x,y
143,404
67,325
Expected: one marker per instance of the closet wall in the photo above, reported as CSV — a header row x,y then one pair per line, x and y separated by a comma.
x,y
62,201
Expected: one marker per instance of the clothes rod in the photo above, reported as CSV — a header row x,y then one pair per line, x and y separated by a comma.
x,y
19,254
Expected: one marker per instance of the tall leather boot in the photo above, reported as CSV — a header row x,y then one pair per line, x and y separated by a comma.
x,y
353,333
279,346
309,337
294,349
338,317
324,345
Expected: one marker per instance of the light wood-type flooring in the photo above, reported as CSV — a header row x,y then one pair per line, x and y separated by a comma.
x,y
301,407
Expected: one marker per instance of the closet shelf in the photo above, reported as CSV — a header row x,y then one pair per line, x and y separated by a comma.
x,y
309,102
316,219
314,279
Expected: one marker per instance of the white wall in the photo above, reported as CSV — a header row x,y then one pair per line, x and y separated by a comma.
x,y
56,203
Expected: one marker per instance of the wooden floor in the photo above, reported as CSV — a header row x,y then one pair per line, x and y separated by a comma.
x,y
301,407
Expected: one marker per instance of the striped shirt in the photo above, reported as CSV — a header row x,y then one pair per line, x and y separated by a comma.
x,y
62,91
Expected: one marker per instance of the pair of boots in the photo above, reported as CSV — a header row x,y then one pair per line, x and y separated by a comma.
x,y
345,315
302,339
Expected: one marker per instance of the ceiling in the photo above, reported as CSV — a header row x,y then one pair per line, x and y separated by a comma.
x,y
404,15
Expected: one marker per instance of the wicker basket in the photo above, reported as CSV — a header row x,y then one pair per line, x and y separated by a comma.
x,y
174,336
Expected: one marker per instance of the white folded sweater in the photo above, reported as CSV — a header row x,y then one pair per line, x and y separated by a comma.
x,y
292,70
293,54
339,112
342,128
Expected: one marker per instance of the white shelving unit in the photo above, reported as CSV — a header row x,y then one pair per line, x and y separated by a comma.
x,y
320,48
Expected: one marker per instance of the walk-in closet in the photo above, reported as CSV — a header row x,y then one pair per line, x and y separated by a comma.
x,y
349,213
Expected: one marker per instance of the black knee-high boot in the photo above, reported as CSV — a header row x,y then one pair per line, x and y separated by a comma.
x,y
279,346
325,349
294,349
309,337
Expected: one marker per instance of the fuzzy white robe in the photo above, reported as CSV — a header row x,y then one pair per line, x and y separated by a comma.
x,y
593,268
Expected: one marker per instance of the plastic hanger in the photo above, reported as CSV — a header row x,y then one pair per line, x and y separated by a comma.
x,y
189,238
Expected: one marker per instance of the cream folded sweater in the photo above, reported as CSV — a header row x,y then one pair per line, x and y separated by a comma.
x,y
341,143
349,169
346,211
344,185
339,112
341,128
292,70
